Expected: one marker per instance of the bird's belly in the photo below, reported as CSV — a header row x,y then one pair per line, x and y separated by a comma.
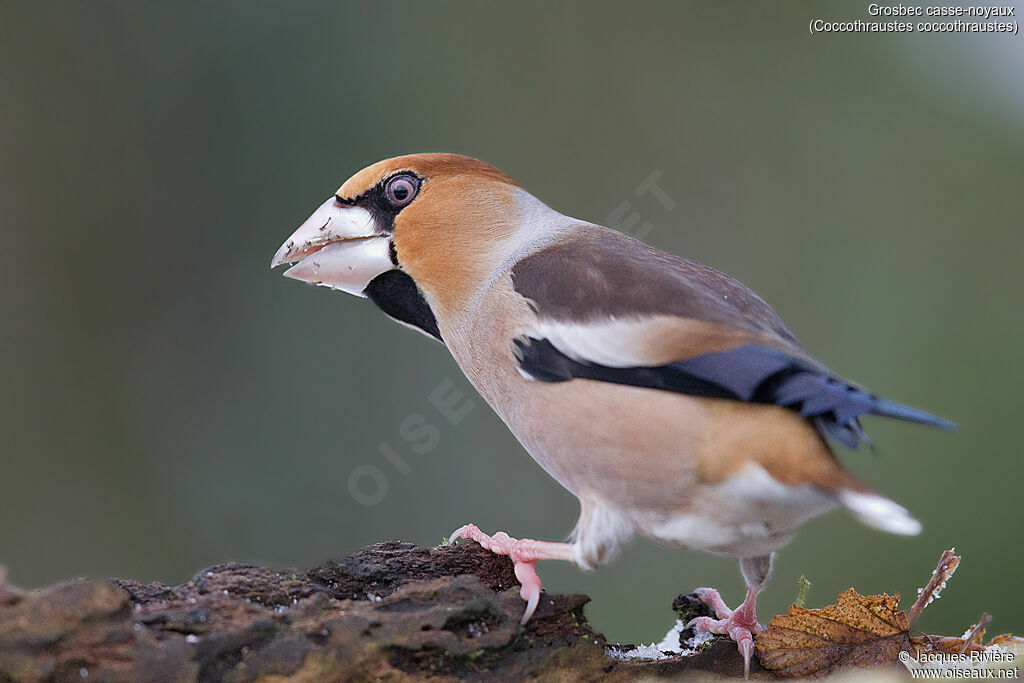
x,y
615,445
748,514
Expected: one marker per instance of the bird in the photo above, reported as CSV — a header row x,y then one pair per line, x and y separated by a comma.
x,y
669,398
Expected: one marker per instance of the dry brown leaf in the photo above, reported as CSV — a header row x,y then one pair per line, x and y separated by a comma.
x,y
861,631
971,641
856,631
951,645
1010,643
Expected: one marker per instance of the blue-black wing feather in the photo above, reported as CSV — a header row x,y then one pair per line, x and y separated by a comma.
x,y
746,373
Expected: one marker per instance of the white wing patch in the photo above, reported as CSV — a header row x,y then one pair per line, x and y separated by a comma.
x,y
614,343
635,342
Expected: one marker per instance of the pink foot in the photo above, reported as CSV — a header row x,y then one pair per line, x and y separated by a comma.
x,y
524,553
739,624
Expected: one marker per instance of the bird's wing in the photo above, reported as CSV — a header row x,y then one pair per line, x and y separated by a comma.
x,y
613,309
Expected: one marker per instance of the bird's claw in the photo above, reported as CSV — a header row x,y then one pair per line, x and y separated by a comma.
x,y
524,553
526,572
740,625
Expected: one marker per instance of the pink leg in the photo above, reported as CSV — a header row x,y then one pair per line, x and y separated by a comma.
x,y
524,553
740,624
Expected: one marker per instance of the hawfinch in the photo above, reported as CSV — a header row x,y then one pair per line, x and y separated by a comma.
x,y
667,397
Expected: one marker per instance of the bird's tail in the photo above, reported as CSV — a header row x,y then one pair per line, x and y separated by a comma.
x,y
879,512
870,508
836,406
902,412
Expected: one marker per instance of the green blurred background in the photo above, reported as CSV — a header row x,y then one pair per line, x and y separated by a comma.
x,y
168,402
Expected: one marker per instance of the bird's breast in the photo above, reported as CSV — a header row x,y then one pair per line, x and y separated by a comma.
x,y
615,443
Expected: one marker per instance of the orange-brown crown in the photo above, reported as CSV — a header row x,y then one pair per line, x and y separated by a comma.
x,y
428,165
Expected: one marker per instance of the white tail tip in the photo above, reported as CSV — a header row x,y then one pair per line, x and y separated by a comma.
x,y
880,513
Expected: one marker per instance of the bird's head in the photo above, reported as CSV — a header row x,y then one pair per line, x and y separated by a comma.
x,y
436,226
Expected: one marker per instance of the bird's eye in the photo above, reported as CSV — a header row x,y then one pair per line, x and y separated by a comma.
x,y
401,189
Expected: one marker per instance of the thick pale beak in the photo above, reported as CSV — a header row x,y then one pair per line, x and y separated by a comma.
x,y
339,247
